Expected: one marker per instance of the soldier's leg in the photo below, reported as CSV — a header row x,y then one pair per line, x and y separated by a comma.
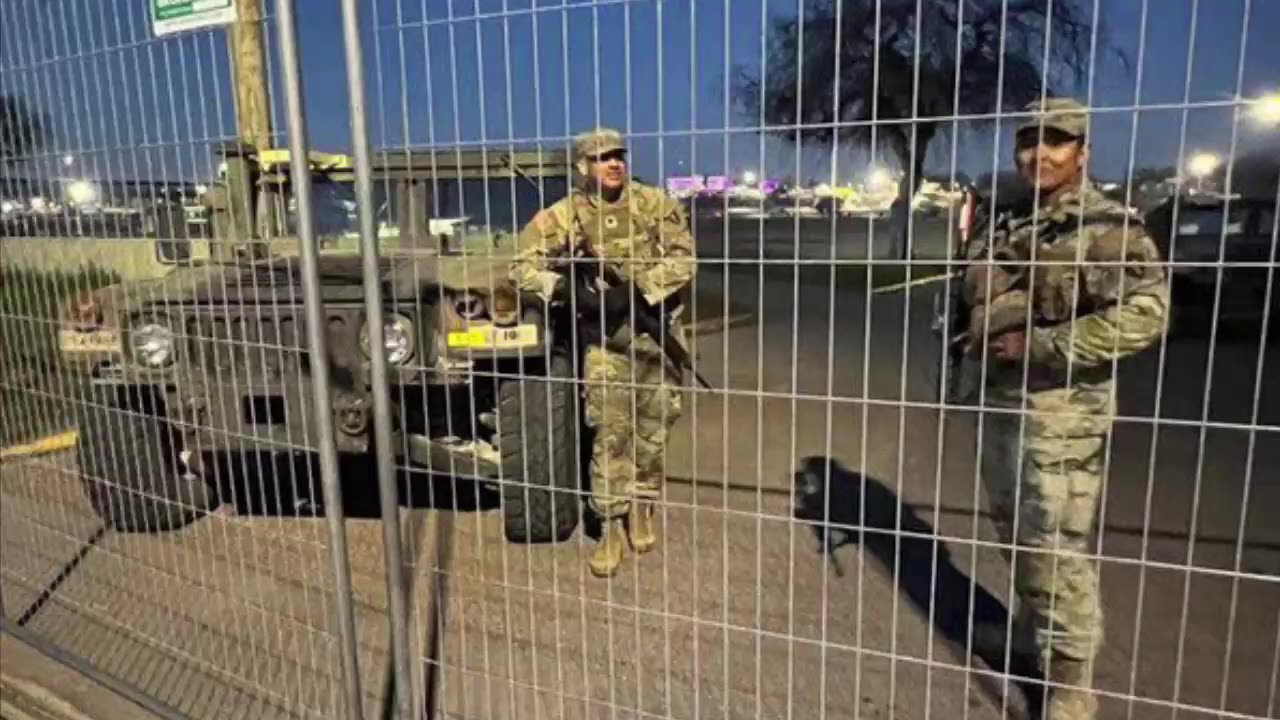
x,y
609,401
1063,479
1054,578
658,407
1001,474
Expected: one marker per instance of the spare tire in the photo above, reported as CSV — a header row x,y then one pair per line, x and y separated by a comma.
x,y
131,472
537,430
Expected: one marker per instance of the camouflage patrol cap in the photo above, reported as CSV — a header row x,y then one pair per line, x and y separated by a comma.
x,y
594,143
1058,113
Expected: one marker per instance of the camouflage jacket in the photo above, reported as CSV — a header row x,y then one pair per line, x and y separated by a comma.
x,y
644,236
1096,287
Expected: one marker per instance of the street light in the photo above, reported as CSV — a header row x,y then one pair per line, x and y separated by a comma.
x,y
82,192
1266,110
749,178
1202,165
68,160
878,177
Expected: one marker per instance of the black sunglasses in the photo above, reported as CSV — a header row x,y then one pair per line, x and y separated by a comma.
x,y
1053,137
611,155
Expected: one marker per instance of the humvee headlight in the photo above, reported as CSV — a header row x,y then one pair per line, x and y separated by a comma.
x,y
397,339
151,344
469,306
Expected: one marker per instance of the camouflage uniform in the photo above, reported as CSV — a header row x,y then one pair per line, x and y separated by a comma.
x,y
630,397
1097,295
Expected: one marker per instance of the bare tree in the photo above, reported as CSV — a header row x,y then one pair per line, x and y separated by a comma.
x,y
22,130
911,66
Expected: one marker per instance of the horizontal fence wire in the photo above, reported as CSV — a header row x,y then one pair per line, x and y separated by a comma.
x,y
978,416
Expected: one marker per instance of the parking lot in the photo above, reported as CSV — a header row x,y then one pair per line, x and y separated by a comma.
x,y
738,613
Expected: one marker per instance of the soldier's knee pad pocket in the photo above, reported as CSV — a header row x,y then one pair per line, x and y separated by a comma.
x,y
615,472
1054,512
605,368
1059,496
610,405
1058,523
1041,576
1081,505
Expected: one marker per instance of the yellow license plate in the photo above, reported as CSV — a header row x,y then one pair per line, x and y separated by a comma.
x,y
495,338
89,342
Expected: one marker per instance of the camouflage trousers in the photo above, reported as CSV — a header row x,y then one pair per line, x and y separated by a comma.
x,y
1043,479
631,404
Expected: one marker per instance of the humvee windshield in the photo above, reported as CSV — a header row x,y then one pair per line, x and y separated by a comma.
x,y
461,208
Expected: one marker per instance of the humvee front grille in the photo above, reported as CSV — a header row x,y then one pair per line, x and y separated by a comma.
x,y
265,343
257,344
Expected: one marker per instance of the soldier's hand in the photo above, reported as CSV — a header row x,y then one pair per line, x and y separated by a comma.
x,y
1009,346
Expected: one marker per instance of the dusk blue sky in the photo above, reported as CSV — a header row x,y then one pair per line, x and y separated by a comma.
x,y
494,72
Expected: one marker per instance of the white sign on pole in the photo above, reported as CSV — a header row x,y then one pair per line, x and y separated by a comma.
x,y
175,16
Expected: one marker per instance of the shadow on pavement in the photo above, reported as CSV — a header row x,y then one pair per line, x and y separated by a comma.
x,y
51,589
860,509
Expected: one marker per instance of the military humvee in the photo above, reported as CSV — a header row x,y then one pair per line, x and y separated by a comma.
x,y
193,372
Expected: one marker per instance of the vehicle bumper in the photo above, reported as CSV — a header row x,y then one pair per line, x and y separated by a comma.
x,y
228,417
459,459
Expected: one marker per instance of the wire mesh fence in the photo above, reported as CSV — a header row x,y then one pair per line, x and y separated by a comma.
x,y
621,358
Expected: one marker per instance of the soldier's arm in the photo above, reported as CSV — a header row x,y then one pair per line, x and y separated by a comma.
x,y
541,243
1132,298
674,264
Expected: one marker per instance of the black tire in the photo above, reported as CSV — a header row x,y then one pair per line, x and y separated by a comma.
x,y
132,475
537,420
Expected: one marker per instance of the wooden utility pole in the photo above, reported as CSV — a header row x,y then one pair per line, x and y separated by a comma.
x,y
248,57
247,220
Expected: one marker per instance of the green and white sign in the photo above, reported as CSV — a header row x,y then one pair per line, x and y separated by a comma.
x,y
175,16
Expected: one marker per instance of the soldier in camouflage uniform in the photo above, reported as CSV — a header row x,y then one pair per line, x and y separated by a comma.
x,y
632,395
1097,294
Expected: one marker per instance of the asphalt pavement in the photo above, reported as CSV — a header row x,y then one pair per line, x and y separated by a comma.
x,y
740,612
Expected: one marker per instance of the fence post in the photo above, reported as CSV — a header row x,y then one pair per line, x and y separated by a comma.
x,y
388,493
319,351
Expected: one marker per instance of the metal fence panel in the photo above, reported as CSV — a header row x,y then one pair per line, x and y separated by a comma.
x,y
214,335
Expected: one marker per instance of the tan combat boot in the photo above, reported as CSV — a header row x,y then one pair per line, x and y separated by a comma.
x,y
1075,701
607,556
640,527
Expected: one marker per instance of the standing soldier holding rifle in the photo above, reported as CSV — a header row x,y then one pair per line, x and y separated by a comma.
x,y
619,252
1053,295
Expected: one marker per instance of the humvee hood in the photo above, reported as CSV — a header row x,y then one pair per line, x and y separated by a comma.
x,y
279,280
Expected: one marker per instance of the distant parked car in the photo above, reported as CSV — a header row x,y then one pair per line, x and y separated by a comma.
x,y
1204,235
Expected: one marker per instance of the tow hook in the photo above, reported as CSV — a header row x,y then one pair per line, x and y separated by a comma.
x,y
193,466
193,410
353,416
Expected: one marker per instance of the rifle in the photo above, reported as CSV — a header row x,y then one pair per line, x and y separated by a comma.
x,y
895,287
645,318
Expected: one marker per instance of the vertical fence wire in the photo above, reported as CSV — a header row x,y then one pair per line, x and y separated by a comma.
x,y
321,393
371,277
